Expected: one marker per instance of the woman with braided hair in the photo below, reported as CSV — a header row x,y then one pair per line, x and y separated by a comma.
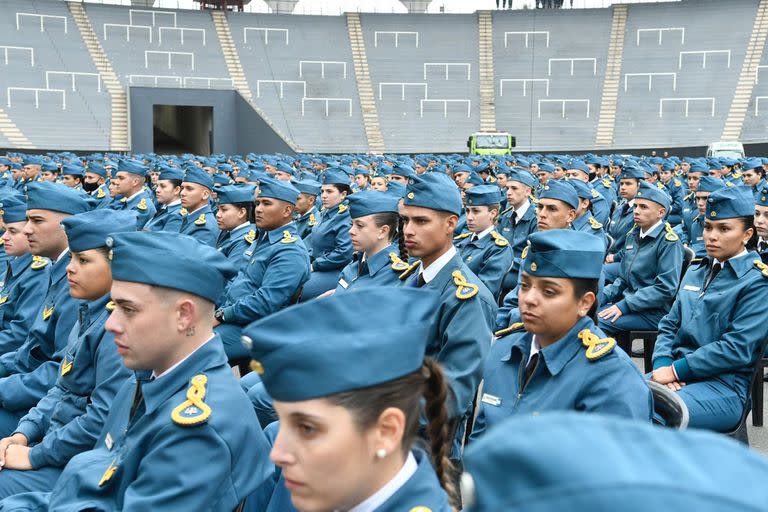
x,y
348,395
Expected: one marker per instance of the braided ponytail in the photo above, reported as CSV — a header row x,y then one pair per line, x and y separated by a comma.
x,y
401,240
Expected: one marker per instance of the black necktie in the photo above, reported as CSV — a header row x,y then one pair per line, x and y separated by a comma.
x,y
531,367
362,268
420,281
716,268
513,219
762,247
624,209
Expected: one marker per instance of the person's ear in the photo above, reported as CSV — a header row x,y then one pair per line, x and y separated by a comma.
x,y
386,436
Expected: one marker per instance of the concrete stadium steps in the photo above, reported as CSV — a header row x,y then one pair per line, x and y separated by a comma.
x,y
487,81
607,117
10,135
364,87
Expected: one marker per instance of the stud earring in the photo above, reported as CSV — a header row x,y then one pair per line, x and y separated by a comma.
x,y
381,453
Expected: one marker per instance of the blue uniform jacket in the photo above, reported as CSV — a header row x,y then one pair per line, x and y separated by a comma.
x,y
676,191
650,272
69,419
278,267
141,203
690,208
601,208
716,333
329,244
588,224
518,238
305,223
167,218
605,187
201,225
20,299
490,258
101,195
233,244
32,369
149,461
564,379
692,235
381,269
464,329
621,223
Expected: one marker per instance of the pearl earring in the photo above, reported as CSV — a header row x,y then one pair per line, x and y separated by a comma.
x,y
381,453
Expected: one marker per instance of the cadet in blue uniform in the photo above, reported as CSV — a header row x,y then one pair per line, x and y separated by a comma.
x,y
30,371
519,219
95,183
753,175
329,245
674,187
72,175
601,208
557,358
708,343
483,249
277,267
692,232
347,441
696,171
23,287
622,220
129,183
467,309
544,464
761,223
181,434
199,222
167,192
651,264
235,217
70,417
307,214
380,260
584,220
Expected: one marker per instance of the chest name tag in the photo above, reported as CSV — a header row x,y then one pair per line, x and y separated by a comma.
x,y
343,283
629,247
491,400
699,238
691,288
108,441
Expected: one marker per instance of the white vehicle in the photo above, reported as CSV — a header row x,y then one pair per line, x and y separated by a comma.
x,y
733,150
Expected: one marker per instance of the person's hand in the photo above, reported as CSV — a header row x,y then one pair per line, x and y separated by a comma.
x,y
666,375
326,294
15,439
609,258
17,457
610,314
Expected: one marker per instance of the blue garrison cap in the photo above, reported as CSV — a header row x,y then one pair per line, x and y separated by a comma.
x,y
335,176
434,191
760,200
362,171
731,202
13,207
197,175
307,186
753,163
72,170
396,189
564,253
474,179
562,191
33,160
699,166
5,161
583,190
170,260
632,171
276,189
620,471
404,170
668,166
370,202
232,194
96,168
90,230
337,351
524,177
284,167
578,165
45,195
709,183
483,195
653,193
132,166
171,173
50,166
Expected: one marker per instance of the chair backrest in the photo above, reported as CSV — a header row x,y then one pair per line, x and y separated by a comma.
x,y
668,406
688,256
611,241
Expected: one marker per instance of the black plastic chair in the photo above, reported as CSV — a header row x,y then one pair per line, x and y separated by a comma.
x,y
611,241
754,401
669,406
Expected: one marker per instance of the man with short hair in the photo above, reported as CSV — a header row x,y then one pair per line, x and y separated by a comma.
x,y
129,183
306,214
72,176
199,221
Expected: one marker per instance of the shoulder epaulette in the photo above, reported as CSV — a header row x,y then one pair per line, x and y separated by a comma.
x,y
595,194
183,212
509,209
343,208
407,272
517,326
200,220
737,175
312,220
250,236
193,410
464,289
688,196
671,235
729,184
678,183
142,204
38,262
100,194
660,185
596,225
762,267
462,236
596,347
398,265
631,230
499,240
606,182
534,199
110,306
124,200
525,251
288,238
2,242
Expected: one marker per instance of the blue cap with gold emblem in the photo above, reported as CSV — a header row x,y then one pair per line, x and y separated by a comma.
x,y
709,183
483,195
171,173
234,194
170,260
338,352
524,177
132,166
564,253
583,190
276,189
197,175
632,171
396,188
435,191
13,207
653,193
335,176
45,195
96,168
72,170
561,191
307,186
90,230
370,202
730,203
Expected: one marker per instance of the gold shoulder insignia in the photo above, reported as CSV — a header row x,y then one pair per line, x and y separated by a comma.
x,y
533,198
737,175
183,212
111,469
312,220
762,267
343,208
250,236
729,184
606,182
3,300
193,410
398,265
506,211
463,235
671,235
596,347
660,185
142,205
517,326
410,269
110,306
595,223
2,242
257,367
124,200
38,262
420,508
200,220
47,312
500,240
464,289
288,238
678,183
100,194
525,252
631,230
66,366
688,196
595,194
